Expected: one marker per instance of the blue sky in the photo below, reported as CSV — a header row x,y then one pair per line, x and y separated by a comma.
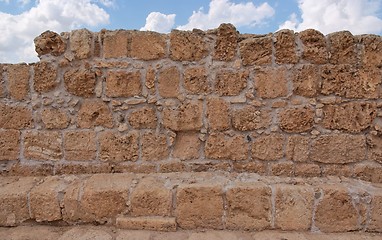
x,y
22,20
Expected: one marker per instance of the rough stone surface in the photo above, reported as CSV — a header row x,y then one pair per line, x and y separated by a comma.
x,y
341,148
256,50
80,145
115,147
306,80
45,77
297,119
271,82
250,118
186,146
196,80
81,42
115,44
49,43
15,117
221,146
43,145
314,46
375,224
18,81
94,113
154,146
147,223
168,82
374,144
371,47
268,148
231,83
185,117
147,45
54,118
144,117
226,43
9,144
297,148
248,207
218,114
80,82
123,84
285,47
343,48
187,46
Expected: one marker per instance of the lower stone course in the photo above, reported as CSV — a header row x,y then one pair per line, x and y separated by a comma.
x,y
194,201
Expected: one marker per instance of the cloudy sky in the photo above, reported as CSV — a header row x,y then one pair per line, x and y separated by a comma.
x,y
22,20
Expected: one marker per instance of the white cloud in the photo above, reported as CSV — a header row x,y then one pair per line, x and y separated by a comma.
x,y
159,22
224,11
357,16
18,31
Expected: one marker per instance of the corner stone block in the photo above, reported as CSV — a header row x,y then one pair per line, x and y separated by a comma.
x,y
306,79
352,117
271,82
294,207
250,118
185,117
249,207
9,145
256,50
371,50
49,43
343,48
297,120
187,146
81,42
196,80
80,82
115,43
336,212
154,146
123,84
223,147
226,43
43,145
375,224
80,145
151,198
45,77
168,82
187,46
199,206
285,47
54,118
314,46
268,148
116,147
18,81
218,114
15,117
94,113
144,117
231,83
14,201
341,148
147,45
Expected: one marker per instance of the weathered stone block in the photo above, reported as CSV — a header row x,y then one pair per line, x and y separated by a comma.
x,y
123,84
81,42
271,82
249,207
185,117
173,166
285,47
45,77
352,117
308,170
150,79
368,172
256,50
168,82
375,224
342,48
54,118
196,80
299,119
250,167
115,43
250,118
221,146
306,80
199,206
226,43
284,169
371,49
341,148
9,144
15,117
218,114
144,117
338,170
49,43
43,145
165,224
314,46
154,146
80,145
374,145
115,147
80,82
297,148
231,83
187,46
269,147
187,145
147,45
18,81
151,198
336,212
94,113
294,207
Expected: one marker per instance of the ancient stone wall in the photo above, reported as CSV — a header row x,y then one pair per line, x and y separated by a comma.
x,y
283,104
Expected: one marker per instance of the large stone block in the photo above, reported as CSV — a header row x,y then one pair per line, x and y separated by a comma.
x,y
314,46
185,117
297,148
268,147
222,146
374,145
196,80
144,117
123,84
187,146
375,224
187,46
94,113
80,145
9,145
249,207
226,43
199,206
296,120
256,50
43,145
54,118
306,79
49,43
15,117
343,48
45,77
351,117
250,118
285,47
371,49
81,43
115,43
147,45
294,207
164,224
218,114
18,81
115,147
231,83
271,82
80,82
168,82
341,148
154,146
